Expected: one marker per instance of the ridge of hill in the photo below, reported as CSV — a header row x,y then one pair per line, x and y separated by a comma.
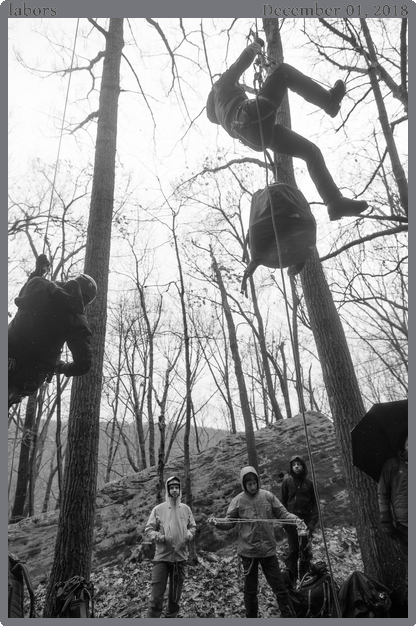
x,y
123,506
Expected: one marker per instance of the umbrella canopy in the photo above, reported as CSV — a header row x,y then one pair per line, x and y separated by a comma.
x,y
376,437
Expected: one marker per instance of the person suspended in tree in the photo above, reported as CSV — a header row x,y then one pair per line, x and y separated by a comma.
x,y
49,314
298,496
171,526
253,121
257,541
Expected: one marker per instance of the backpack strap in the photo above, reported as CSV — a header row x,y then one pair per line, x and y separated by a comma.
x,y
17,566
28,581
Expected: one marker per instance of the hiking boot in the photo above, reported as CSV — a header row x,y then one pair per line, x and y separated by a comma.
x,y
344,207
337,93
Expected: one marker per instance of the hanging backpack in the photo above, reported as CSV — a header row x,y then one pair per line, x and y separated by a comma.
x,y
290,212
361,596
19,576
74,598
313,597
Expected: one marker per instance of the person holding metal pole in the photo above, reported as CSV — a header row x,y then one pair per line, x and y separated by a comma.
x,y
254,510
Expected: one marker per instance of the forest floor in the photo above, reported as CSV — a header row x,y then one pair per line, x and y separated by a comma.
x,y
213,588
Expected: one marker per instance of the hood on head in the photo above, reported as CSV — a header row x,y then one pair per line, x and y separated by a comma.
x,y
248,470
173,479
296,457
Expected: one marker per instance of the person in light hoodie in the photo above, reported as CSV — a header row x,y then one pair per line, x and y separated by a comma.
x,y
171,526
256,539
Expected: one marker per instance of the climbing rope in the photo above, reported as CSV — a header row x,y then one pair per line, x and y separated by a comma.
x,y
229,520
60,140
295,355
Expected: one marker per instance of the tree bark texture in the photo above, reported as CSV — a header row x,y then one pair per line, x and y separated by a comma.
x,y
24,460
380,555
245,405
74,543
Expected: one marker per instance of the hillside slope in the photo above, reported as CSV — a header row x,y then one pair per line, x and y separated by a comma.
x,y
123,506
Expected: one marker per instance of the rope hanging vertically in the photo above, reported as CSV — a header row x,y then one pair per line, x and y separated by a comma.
x,y
60,139
295,355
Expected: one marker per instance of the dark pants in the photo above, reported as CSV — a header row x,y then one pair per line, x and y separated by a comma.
x,y
298,567
162,570
24,379
279,138
271,570
401,535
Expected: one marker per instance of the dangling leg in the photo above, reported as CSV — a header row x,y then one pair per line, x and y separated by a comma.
x,y
287,77
286,141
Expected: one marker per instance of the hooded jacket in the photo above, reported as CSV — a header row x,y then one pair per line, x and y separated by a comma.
x,y
175,521
49,315
392,490
298,494
255,539
226,95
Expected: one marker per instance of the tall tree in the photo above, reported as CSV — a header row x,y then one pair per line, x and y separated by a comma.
x,y
347,407
74,542
245,405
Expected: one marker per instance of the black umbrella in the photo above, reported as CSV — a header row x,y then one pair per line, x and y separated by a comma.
x,y
376,437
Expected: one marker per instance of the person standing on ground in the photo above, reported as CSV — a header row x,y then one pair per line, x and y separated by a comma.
x,y
171,526
256,539
298,496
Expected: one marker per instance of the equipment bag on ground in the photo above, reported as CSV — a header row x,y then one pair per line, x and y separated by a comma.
x,y
74,598
361,596
19,576
290,212
313,597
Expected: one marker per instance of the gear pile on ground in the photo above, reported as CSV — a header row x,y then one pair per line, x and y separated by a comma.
x,y
213,588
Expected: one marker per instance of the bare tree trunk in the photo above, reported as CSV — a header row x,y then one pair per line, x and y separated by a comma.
x,y
188,404
162,434
74,542
398,171
245,405
379,555
263,349
24,460
48,489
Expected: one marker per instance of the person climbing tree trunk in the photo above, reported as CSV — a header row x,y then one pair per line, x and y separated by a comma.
x,y
74,542
347,408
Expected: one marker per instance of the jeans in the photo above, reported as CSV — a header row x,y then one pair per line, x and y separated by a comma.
x,y
162,570
255,125
271,570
